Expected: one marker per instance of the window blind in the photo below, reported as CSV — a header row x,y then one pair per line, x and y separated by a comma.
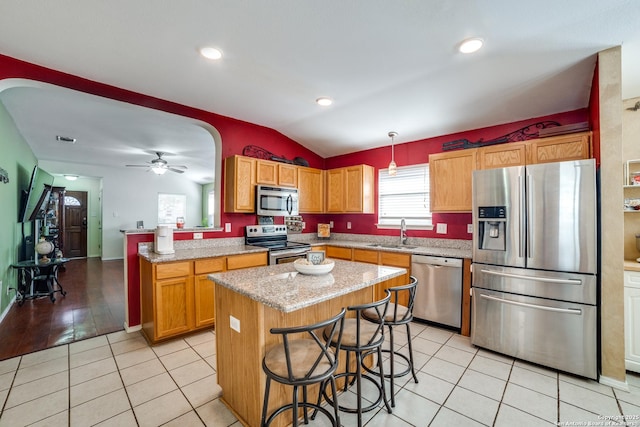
x,y
405,195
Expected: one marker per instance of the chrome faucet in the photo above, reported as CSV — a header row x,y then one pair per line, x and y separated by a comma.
x,y
403,232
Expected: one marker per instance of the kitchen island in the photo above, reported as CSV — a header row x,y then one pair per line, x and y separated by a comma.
x,y
249,302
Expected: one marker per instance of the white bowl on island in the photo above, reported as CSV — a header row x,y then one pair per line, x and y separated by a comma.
x,y
305,267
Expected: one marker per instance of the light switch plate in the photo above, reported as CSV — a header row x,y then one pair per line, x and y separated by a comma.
x,y
470,228
330,224
348,225
441,229
197,236
227,227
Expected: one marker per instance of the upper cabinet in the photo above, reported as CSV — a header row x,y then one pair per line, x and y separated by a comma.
x,y
311,190
451,172
576,146
350,189
274,173
450,180
239,184
502,155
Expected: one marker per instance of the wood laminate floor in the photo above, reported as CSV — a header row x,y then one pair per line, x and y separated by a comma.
x,y
93,306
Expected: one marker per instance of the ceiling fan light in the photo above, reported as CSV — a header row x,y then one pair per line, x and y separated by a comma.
x,y
158,170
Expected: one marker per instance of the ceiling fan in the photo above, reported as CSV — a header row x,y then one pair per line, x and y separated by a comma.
x,y
159,166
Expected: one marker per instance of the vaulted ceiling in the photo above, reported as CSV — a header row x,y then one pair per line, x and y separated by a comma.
x,y
387,65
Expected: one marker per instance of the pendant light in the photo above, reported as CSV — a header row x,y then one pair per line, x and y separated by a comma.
x,y
392,163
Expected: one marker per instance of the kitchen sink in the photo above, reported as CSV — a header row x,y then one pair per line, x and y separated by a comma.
x,y
379,245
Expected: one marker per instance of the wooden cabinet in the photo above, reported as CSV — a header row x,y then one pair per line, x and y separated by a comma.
x,y
310,190
338,252
502,155
559,148
178,297
274,173
350,189
239,184
450,180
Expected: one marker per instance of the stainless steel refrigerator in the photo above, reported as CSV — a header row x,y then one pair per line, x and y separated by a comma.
x,y
534,273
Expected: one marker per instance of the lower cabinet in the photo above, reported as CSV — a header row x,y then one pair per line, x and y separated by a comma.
x,y
178,297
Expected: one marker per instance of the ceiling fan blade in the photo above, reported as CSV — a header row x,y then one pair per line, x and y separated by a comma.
x,y
171,168
177,166
137,166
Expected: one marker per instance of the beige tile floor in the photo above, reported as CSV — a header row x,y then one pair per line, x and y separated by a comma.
x,y
118,380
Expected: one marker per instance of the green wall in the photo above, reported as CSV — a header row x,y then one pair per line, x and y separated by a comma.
x,y
16,158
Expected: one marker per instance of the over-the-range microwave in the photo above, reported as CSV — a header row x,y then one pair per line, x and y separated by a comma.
x,y
276,201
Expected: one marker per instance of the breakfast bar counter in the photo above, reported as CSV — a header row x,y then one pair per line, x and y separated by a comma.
x,y
249,302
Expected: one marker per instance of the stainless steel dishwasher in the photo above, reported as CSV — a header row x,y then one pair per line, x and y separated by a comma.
x,y
439,290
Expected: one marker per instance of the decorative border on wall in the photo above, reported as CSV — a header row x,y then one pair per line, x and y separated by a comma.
x,y
527,132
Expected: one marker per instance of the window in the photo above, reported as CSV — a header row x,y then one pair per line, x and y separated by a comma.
x,y
170,207
405,195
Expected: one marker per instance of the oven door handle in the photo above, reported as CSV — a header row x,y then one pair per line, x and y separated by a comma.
x,y
291,251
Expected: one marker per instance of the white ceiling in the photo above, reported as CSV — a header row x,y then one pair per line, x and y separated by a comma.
x,y
389,65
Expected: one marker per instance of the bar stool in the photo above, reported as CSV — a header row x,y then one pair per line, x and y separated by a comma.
x,y
303,360
397,315
361,337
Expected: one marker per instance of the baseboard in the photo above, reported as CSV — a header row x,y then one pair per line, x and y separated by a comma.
x,y
112,258
6,310
132,328
620,385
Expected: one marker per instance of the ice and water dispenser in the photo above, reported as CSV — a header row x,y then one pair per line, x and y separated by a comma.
x,y
492,221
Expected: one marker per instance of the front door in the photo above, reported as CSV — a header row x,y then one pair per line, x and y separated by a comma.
x,y
75,224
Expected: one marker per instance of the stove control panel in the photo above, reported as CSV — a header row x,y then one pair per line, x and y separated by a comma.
x,y
266,230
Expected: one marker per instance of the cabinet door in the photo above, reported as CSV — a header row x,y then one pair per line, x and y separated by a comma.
x,y
239,185
359,189
310,190
365,255
335,190
450,180
559,148
395,259
338,252
174,306
204,299
287,175
266,172
502,155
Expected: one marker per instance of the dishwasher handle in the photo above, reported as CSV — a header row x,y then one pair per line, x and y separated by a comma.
x,y
436,260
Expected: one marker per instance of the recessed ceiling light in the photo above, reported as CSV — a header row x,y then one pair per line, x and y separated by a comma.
x,y
324,101
66,139
211,53
471,45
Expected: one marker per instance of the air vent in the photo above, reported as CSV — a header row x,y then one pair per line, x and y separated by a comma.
x,y
66,139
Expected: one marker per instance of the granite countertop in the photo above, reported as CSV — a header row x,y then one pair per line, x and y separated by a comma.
x,y
394,247
197,253
281,287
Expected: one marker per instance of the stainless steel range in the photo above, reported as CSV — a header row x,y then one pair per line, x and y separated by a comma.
x,y
274,237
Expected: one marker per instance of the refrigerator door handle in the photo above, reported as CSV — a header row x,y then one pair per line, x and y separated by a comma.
x,y
521,217
529,213
537,279
536,306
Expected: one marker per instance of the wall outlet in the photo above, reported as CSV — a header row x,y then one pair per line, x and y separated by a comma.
x,y
304,225
441,229
348,225
227,227
234,323
330,224
197,236
470,228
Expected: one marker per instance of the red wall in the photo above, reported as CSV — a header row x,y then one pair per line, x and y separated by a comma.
x,y
417,152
